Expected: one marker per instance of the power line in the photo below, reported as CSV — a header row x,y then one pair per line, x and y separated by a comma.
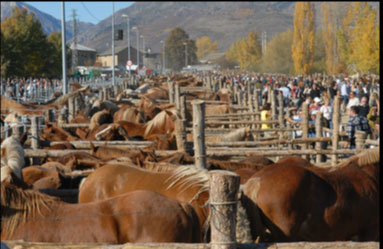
x,y
89,12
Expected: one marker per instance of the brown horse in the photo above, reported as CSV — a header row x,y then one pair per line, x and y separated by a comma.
x,y
139,216
185,184
308,203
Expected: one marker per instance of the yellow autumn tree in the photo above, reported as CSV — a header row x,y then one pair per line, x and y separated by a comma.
x,y
278,54
205,46
364,43
246,52
303,39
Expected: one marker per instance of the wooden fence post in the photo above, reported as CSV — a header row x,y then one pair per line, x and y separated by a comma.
x,y
280,110
71,109
224,186
177,100
335,129
180,134
35,137
305,125
360,139
273,106
199,133
183,106
318,133
171,92
256,104
62,117
76,106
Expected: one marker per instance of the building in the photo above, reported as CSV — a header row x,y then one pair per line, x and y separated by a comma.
x,y
121,56
85,56
153,61
210,58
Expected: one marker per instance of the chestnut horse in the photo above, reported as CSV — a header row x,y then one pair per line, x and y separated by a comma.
x,y
185,184
314,204
138,216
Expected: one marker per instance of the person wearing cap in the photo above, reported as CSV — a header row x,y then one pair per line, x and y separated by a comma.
x,y
355,123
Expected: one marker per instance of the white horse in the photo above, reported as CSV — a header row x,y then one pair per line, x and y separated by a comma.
x,y
12,158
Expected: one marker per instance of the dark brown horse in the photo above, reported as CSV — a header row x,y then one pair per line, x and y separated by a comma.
x,y
139,216
314,204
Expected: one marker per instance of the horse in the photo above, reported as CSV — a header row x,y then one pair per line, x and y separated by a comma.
x,y
129,113
100,118
138,216
12,158
185,184
309,203
53,133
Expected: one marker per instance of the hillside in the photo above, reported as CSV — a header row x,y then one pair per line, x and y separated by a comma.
x,y
48,22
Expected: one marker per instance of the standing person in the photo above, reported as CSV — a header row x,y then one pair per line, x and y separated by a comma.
x,y
315,92
364,108
326,109
355,123
353,100
266,116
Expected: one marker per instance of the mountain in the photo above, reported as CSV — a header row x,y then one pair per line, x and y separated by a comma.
x,y
221,21
48,22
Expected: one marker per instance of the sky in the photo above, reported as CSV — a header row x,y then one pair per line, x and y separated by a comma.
x,y
92,12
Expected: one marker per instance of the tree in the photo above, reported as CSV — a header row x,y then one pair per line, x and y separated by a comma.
x,y
246,52
26,44
54,65
205,46
175,49
303,38
364,45
277,58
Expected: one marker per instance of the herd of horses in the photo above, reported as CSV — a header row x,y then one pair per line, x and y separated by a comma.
x,y
133,195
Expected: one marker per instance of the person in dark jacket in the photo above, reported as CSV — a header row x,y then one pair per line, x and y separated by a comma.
x,y
364,108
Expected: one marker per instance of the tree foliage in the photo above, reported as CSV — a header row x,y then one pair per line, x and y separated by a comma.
x,y
25,49
175,49
246,52
364,44
205,46
303,38
278,54
26,42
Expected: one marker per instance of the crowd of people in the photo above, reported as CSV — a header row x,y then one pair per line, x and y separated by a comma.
x,y
359,100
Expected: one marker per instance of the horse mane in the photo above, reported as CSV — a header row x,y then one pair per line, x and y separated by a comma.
x,y
365,157
25,202
12,156
96,118
160,120
189,176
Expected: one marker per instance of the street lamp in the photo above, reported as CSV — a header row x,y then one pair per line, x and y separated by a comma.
x,y
186,54
163,56
138,48
64,80
128,37
113,80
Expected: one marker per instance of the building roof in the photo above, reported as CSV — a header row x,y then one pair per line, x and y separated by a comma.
x,y
80,47
116,50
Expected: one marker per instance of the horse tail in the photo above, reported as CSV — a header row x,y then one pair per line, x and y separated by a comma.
x,y
195,225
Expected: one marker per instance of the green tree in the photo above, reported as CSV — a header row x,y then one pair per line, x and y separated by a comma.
x,y
26,44
205,46
54,65
278,54
4,56
303,39
175,49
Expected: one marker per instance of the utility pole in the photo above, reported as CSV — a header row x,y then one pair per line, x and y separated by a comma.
x,y
113,78
163,56
186,54
74,50
138,48
65,85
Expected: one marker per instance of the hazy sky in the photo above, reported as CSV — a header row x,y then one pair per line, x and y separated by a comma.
x,y
92,12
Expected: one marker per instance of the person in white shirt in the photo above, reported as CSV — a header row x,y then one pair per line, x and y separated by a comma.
x,y
353,100
326,109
